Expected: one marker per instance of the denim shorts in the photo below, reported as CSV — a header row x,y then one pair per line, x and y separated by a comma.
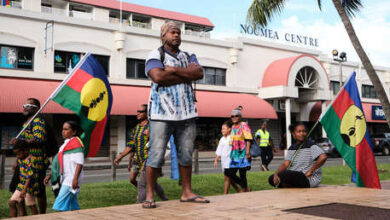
x,y
184,133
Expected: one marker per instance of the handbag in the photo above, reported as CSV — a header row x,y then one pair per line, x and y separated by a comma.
x,y
255,150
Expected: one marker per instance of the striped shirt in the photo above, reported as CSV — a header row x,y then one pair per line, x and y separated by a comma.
x,y
175,102
37,130
138,140
305,159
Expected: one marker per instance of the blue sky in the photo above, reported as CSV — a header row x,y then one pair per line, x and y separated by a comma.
x,y
302,17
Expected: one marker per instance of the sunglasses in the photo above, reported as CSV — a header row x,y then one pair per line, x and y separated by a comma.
x,y
235,116
30,106
141,111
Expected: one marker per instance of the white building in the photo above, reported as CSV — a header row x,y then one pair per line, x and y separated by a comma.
x,y
41,39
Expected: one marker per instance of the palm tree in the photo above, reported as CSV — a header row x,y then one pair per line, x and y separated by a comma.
x,y
261,12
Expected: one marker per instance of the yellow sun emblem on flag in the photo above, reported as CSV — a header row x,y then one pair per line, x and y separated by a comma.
x,y
94,98
353,126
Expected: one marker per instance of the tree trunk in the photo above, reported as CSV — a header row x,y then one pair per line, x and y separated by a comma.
x,y
365,60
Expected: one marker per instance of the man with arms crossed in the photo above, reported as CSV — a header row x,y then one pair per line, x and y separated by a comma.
x,y
171,110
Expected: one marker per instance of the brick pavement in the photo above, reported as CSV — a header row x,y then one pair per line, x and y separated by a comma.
x,y
268,204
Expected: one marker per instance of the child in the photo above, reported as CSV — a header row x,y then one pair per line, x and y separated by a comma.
x,y
223,153
28,186
67,168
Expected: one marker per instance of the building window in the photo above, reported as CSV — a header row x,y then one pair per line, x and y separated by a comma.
x,y
65,61
12,57
213,76
135,69
369,92
104,61
335,86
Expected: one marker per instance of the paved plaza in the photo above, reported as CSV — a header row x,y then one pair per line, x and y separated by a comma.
x,y
268,204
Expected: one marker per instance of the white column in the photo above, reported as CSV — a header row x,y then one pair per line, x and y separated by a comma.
x,y
288,122
323,109
121,133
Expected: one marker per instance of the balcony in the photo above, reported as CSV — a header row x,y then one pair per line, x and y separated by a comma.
x,y
197,33
53,11
81,15
142,25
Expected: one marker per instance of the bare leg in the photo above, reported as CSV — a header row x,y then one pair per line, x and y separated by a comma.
x,y
34,210
235,186
185,172
227,185
151,180
42,204
22,209
12,208
133,178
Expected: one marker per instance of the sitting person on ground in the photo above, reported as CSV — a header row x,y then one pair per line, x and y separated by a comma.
x,y
28,186
302,165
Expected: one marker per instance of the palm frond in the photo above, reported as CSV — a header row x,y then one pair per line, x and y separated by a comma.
x,y
319,4
351,6
261,11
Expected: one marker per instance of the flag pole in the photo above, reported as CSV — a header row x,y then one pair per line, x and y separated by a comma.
x,y
54,93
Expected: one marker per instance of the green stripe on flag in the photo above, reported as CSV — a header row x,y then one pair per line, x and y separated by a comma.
x,y
88,127
69,98
331,123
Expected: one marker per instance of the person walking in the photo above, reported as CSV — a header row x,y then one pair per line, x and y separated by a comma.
x,y
223,152
139,137
302,166
267,147
35,135
240,158
171,110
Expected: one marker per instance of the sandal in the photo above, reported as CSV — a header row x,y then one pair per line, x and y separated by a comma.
x,y
194,199
146,204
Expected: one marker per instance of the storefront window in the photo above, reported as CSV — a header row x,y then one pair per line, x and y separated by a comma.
x,y
12,57
135,69
213,76
65,61
369,92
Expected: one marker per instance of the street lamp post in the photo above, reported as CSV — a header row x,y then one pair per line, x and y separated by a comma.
x,y
341,59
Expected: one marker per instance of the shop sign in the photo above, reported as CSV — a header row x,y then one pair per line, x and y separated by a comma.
x,y
275,35
377,113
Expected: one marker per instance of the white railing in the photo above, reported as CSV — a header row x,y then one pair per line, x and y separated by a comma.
x,y
79,14
114,20
142,25
53,11
197,33
16,4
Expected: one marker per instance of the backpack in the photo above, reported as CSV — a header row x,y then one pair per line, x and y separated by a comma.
x,y
255,150
161,50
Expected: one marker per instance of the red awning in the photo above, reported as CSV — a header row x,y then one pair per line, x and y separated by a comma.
x,y
14,92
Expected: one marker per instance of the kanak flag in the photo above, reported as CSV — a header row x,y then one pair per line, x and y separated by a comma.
x,y
87,92
345,125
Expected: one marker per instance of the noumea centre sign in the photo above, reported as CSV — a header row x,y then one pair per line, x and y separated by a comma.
x,y
275,35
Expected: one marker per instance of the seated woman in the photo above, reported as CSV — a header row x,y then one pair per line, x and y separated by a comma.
x,y
301,168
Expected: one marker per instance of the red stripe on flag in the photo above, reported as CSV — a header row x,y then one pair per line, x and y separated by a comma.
x,y
366,165
97,137
342,103
78,80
